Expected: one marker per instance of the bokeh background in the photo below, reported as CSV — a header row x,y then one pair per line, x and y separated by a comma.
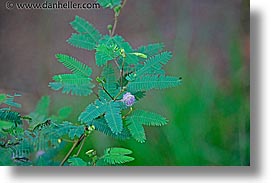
x,y
209,114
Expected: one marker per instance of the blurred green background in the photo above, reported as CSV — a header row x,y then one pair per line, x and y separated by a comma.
x,y
209,114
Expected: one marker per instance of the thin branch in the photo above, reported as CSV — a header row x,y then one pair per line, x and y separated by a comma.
x,y
118,94
116,19
80,148
128,113
114,26
107,92
123,4
121,73
72,148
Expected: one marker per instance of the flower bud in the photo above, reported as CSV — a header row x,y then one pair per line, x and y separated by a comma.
x,y
128,99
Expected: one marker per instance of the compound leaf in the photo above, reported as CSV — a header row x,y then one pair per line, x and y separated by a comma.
x,y
151,49
136,129
102,126
154,63
113,117
153,82
81,41
117,155
74,65
72,83
84,27
92,111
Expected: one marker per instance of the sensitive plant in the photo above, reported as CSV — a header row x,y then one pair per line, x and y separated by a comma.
x,y
127,75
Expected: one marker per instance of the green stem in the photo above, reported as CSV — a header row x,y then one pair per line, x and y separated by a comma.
x,y
72,148
116,19
107,93
80,148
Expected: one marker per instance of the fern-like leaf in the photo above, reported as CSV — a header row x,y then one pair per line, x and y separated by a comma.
x,y
154,63
81,41
105,53
10,116
151,49
117,155
110,47
72,83
74,65
113,117
67,128
102,126
110,84
148,118
92,111
136,129
153,82
84,27
139,118
9,100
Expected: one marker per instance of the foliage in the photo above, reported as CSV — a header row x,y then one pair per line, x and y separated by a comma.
x,y
35,138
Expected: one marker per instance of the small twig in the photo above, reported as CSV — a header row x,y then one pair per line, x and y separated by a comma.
x,y
96,94
114,26
123,4
121,74
118,94
72,148
116,19
129,112
82,143
107,93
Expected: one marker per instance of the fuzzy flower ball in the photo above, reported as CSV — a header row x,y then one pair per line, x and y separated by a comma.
x,y
128,99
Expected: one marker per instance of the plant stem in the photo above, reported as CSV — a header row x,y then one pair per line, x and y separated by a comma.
x,y
121,73
121,91
116,19
114,26
107,92
80,148
129,112
72,148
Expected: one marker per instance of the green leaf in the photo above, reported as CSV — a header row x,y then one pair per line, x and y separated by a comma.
x,y
153,82
148,118
81,41
109,3
122,44
154,63
9,100
105,53
67,128
116,156
109,49
113,117
102,126
110,83
92,111
151,49
136,129
72,83
85,28
74,65
10,116
75,161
